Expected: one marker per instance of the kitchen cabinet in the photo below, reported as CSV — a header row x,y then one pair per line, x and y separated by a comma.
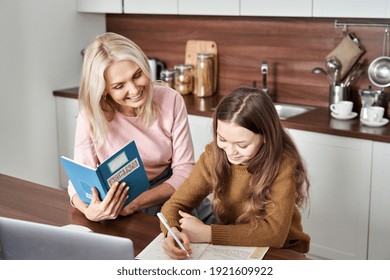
x,y
150,7
201,132
379,245
207,7
100,6
67,110
292,8
351,8
337,218
282,8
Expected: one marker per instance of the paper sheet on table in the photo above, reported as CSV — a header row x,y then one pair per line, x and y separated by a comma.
x,y
204,251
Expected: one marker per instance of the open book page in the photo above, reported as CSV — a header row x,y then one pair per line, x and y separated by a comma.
x,y
221,252
154,250
204,251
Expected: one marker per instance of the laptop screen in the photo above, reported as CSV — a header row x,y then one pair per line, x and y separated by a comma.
x,y
24,240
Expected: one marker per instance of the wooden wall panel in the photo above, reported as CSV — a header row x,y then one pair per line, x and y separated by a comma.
x,y
291,46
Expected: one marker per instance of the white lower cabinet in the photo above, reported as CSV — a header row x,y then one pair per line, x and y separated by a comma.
x,y
201,132
337,218
67,110
379,244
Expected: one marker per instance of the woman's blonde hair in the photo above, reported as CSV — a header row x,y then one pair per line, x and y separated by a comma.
x,y
103,51
252,109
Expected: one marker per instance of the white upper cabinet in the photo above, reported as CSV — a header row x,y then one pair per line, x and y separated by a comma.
x,y
351,8
150,7
209,7
282,8
272,8
100,6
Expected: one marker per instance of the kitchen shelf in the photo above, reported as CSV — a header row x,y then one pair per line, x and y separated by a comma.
x,y
363,24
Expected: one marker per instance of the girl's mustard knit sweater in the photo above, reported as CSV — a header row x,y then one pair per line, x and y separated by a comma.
x,y
281,228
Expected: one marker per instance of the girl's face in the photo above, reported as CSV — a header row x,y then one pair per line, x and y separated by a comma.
x,y
127,85
240,144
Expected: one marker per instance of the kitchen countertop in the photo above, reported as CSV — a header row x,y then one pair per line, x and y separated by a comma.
x,y
318,120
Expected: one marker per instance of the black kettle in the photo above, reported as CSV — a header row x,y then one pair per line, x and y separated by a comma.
x,y
156,66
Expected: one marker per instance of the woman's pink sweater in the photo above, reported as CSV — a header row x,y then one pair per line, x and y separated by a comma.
x,y
167,141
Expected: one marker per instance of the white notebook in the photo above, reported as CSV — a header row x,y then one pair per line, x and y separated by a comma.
x,y
204,251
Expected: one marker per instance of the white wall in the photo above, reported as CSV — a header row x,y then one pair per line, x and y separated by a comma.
x,y
40,44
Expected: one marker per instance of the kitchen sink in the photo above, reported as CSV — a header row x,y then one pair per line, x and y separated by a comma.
x,y
286,111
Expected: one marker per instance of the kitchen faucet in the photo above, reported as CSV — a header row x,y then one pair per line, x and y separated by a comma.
x,y
264,73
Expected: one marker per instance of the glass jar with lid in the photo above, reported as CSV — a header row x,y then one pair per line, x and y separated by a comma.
x,y
204,75
184,82
168,76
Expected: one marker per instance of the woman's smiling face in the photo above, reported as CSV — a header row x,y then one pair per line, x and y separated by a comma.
x,y
127,85
240,144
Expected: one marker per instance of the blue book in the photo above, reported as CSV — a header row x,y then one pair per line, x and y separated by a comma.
x,y
124,166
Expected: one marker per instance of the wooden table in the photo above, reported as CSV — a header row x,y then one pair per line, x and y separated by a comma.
x,y
28,201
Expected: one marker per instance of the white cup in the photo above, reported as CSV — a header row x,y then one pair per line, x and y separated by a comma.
x,y
375,113
342,108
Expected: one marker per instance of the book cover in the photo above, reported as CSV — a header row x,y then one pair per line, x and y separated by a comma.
x,y
204,251
124,166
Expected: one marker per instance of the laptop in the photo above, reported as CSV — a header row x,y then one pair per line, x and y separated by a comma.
x,y
24,240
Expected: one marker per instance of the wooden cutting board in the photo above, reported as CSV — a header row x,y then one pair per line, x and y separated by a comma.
x,y
193,47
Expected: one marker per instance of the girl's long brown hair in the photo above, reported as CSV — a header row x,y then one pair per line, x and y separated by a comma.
x,y
254,110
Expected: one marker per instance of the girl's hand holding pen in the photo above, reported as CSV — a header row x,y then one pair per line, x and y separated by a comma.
x,y
171,248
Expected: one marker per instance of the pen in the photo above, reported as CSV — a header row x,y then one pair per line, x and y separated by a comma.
x,y
165,223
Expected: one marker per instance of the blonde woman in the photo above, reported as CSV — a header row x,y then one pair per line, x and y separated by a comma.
x,y
119,103
257,178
